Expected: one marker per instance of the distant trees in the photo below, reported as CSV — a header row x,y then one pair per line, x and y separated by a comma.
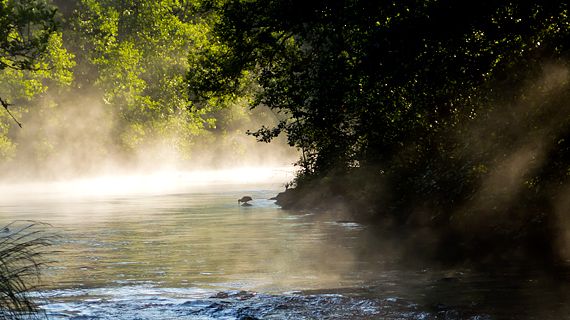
x,y
25,29
136,52
452,109
106,80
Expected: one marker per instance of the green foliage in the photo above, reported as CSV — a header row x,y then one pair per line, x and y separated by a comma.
x,y
137,54
32,58
25,29
53,67
358,78
30,49
7,147
119,66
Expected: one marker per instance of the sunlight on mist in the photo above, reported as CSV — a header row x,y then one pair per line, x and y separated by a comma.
x,y
167,181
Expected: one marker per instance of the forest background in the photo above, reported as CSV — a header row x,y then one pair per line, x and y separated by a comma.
x,y
446,122
109,93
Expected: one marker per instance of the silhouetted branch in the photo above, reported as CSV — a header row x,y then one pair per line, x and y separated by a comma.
x,y
6,105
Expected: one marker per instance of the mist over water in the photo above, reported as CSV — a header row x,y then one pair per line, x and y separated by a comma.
x,y
155,231
178,237
182,228
151,229
156,183
78,135
134,153
176,244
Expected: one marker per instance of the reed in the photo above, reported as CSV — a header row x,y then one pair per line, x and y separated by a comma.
x,y
23,248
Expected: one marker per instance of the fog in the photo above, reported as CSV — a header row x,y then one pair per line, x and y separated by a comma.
x,y
515,143
74,136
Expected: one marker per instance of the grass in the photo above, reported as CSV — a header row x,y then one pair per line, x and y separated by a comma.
x,y
23,247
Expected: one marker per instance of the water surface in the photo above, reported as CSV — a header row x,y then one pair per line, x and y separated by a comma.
x,y
180,246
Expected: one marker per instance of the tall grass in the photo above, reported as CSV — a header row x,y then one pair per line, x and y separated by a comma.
x,y
23,247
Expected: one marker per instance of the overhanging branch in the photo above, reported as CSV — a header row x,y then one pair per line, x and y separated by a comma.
x,y
6,105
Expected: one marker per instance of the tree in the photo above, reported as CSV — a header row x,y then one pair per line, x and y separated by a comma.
x,y
25,29
120,66
410,95
31,54
136,53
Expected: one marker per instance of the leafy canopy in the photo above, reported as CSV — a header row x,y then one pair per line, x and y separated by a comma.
x,y
25,29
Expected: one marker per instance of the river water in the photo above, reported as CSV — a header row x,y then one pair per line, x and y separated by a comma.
x,y
178,246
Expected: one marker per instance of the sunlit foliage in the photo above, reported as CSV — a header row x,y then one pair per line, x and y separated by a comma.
x,y
115,70
137,54
31,55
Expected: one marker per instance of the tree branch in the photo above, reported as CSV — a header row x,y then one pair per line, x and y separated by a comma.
x,y
6,105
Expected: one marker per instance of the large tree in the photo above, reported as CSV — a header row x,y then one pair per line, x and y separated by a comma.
x,y
439,104
358,77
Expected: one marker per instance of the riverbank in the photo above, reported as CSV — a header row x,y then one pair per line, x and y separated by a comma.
x,y
454,235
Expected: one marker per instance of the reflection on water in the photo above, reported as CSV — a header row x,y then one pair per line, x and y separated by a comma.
x,y
146,248
197,239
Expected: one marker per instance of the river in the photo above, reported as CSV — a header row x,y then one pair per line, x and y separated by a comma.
x,y
178,246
